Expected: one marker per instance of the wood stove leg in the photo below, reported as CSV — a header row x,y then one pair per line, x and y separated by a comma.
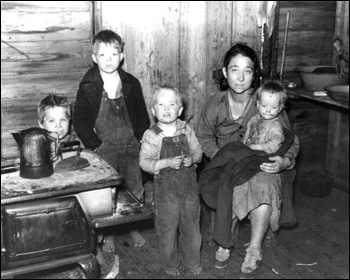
x,y
90,268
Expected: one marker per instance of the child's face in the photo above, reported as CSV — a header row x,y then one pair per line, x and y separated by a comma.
x,y
108,58
56,120
167,108
269,105
239,73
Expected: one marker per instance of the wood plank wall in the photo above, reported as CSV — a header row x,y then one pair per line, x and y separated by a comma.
x,y
175,42
310,35
180,42
53,43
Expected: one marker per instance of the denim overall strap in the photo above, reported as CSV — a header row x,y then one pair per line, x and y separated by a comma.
x,y
177,208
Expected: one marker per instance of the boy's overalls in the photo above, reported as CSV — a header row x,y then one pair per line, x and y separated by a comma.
x,y
177,208
119,146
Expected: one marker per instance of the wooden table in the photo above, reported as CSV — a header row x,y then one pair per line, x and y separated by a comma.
x,y
302,93
334,123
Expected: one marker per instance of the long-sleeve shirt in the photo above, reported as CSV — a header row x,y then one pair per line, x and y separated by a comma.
x,y
217,128
151,145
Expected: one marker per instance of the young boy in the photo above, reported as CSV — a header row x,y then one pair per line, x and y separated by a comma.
x,y
170,150
264,129
54,115
110,115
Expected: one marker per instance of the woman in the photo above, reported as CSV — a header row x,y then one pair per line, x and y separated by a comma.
x,y
224,119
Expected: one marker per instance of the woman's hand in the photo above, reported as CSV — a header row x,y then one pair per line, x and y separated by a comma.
x,y
279,164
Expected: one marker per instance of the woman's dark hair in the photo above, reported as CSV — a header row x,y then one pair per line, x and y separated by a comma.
x,y
248,52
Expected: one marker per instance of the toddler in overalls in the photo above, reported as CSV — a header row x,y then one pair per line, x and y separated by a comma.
x,y
170,150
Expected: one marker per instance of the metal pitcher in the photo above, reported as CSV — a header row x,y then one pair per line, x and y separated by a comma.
x,y
37,153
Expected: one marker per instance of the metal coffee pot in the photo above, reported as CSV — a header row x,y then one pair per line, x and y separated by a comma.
x,y
37,153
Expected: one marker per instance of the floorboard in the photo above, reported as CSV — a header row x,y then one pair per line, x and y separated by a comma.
x,y
317,248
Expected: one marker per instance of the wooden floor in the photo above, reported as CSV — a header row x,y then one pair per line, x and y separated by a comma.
x,y
318,248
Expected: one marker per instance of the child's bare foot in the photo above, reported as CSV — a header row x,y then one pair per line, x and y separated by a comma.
x,y
196,270
172,271
109,243
137,238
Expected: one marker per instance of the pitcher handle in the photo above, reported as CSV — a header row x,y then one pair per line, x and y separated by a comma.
x,y
57,153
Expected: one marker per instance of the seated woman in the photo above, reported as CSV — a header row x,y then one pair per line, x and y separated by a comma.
x,y
224,120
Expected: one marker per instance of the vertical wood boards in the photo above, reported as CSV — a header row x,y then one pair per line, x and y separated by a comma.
x,y
177,43
193,49
152,34
244,24
180,43
219,39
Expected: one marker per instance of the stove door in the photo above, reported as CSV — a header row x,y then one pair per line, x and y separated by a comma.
x,y
44,230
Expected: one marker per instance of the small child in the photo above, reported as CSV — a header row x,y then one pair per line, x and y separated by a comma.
x,y
54,115
264,129
110,116
170,150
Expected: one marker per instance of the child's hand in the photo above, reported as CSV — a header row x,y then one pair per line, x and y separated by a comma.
x,y
187,161
175,162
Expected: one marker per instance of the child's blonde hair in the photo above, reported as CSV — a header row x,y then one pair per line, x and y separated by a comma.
x,y
107,37
178,95
273,87
52,101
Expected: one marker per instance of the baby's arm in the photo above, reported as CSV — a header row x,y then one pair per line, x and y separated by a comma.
x,y
257,147
271,146
274,140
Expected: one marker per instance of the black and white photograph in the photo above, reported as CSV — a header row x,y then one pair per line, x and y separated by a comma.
x,y
174,139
